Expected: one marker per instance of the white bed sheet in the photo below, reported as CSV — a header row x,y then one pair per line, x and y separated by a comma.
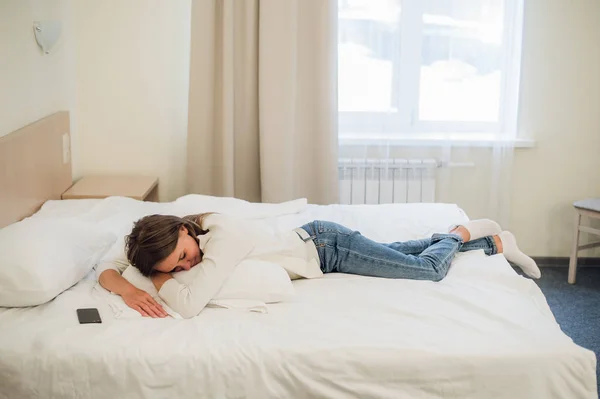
x,y
483,332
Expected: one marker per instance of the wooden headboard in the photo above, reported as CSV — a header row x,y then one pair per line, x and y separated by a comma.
x,y
32,166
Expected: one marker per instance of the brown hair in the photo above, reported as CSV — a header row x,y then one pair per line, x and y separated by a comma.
x,y
154,237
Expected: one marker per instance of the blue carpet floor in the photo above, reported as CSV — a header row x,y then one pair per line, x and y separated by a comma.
x,y
575,307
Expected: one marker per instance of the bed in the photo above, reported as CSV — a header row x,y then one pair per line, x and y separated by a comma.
x,y
482,332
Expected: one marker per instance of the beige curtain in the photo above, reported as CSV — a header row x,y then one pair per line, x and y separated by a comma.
x,y
263,100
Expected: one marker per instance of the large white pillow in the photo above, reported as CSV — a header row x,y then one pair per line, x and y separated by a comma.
x,y
42,257
251,280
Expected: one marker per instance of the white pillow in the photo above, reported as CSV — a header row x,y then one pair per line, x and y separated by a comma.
x,y
42,257
251,280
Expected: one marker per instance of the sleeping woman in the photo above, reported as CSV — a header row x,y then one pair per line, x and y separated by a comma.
x,y
211,245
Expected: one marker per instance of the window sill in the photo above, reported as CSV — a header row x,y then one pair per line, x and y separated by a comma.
x,y
434,140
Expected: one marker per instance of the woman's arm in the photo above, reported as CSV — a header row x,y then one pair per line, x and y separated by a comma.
x,y
134,298
227,246
109,276
158,279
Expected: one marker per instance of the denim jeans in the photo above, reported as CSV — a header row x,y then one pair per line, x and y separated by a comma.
x,y
346,251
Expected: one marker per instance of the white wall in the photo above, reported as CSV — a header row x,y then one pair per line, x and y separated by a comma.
x,y
132,79
121,68
32,85
560,107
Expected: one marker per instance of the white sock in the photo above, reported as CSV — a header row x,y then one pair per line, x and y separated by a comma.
x,y
481,228
513,254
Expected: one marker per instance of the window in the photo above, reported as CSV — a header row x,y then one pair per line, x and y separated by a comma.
x,y
428,66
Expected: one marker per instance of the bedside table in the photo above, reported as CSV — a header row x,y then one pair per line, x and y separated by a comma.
x,y
136,187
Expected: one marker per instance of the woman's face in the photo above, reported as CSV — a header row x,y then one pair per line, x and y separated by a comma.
x,y
185,256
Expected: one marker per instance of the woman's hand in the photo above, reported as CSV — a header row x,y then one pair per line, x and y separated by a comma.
x,y
133,297
144,303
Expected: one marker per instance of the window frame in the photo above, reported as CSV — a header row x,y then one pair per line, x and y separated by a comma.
x,y
406,77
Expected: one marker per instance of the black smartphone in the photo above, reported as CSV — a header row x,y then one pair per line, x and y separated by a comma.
x,y
89,315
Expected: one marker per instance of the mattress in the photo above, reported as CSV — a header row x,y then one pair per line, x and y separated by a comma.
x,y
482,332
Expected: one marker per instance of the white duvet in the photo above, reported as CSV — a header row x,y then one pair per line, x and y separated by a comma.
x,y
482,332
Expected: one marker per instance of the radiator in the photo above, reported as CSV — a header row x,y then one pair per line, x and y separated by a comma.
x,y
374,181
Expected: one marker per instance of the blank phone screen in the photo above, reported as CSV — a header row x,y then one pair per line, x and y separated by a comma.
x,y
89,315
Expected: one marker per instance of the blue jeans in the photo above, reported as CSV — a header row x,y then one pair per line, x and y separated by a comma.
x,y
346,251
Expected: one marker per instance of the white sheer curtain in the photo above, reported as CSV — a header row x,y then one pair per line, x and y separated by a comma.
x,y
434,84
